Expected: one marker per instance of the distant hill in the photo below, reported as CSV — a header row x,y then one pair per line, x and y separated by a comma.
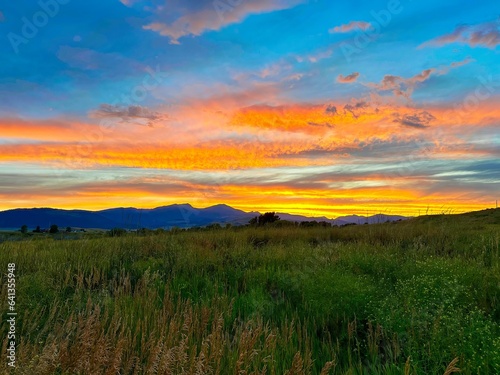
x,y
483,217
177,215
344,220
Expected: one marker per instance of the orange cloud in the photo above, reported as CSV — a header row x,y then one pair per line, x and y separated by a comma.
x,y
45,130
252,137
203,157
373,152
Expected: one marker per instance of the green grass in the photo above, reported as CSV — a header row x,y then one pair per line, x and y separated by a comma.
x,y
401,298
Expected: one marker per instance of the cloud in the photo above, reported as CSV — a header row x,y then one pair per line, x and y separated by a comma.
x,y
40,130
417,120
104,63
421,77
323,124
242,138
213,16
279,70
129,114
349,78
351,26
481,35
342,188
273,70
466,61
294,77
320,54
402,86
331,109
128,3
300,152
354,109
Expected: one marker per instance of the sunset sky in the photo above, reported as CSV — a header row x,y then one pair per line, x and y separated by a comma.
x,y
313,107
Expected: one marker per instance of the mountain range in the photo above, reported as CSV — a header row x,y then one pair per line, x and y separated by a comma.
x,y
177,215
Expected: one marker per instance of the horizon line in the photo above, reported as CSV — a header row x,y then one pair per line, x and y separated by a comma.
x,y
426,212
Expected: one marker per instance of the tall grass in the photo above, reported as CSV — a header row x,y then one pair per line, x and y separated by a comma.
x,y
417,297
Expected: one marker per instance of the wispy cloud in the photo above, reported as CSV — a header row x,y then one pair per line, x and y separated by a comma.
x,y
41,130
404,87
463,62
400,86
351,26
211,18
134,114
480,35
356,108
128,2
349,78
316,56
305,139
415,120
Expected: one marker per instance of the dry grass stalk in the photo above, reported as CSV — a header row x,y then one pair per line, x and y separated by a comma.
x,y
451,367
407,366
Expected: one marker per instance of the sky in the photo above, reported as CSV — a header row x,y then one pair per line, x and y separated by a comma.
x,y
310,107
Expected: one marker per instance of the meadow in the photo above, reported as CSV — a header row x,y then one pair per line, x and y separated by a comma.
x,y
415,297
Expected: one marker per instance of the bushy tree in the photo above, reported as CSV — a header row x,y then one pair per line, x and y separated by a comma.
x,y
54,229
267,218
68,229
24,229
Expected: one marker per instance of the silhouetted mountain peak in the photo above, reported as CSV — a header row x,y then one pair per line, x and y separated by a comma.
x,y
175,215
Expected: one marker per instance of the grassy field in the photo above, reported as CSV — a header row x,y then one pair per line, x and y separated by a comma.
x,y
414,297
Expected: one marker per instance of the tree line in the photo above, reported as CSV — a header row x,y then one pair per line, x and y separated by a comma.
x,y
53,229
266,219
